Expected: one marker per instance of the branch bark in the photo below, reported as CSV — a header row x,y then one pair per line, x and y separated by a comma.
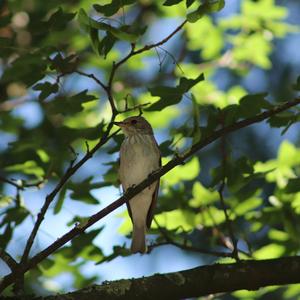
x,y
130,193
200,281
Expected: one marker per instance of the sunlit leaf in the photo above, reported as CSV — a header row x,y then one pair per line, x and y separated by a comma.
x,y
29,167
177,219
207,7
269,251
188,171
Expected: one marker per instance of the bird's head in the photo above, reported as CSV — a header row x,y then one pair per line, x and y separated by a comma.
x,y
135,125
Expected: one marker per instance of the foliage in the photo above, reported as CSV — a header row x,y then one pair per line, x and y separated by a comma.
x,y
68,69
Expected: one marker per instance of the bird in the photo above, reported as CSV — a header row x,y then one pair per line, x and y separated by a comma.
x,y
139,157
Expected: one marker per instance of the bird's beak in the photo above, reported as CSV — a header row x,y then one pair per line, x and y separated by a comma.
x,y
120,124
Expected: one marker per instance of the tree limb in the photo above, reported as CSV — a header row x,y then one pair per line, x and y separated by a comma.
x,y
196,282
130,193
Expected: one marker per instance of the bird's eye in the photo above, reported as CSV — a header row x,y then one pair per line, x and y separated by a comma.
x,y
133,122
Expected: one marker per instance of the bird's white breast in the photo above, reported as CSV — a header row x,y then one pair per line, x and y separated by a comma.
x,y
139,158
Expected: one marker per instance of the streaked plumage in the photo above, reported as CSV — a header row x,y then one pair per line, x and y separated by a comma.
x,y
139,157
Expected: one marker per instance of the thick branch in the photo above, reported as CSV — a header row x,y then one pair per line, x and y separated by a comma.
x,y
130,193
200,281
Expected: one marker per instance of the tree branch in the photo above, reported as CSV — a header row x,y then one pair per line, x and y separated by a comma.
x,y
130,193
196,282
50,197
8,259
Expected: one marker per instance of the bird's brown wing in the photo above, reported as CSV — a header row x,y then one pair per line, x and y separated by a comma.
x,y
129,210
152,206
154,197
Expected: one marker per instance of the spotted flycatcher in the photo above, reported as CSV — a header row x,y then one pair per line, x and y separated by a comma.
x,y
139,157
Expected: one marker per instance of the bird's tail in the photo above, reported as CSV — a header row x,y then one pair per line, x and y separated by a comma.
x,y
138,243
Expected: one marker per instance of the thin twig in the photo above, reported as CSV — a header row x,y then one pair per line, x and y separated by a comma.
x,y
92,76
11,182
228,223
184,246
23,184
135,107
190,248
172,57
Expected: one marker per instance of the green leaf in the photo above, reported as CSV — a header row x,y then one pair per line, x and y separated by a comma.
x,y
171,2
269,251
69,105
202,196
117,251
60,200
46,89
5,201
186,84
106,44
122,33
189,3
282,119
28,68
82,246
251,105
29,167
59,19
293,186
83,18
81,191
231,113
182,220
209,6
64,65
188,171
113,7
85,238
172,95
245,206
16,215
165,148
95,39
